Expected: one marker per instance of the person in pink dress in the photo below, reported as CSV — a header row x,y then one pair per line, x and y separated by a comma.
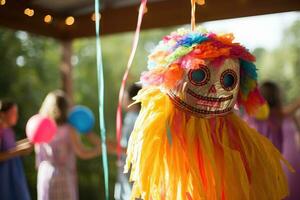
x,y
282,131
56,160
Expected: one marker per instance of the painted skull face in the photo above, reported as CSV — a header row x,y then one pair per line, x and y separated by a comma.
x,y
208,90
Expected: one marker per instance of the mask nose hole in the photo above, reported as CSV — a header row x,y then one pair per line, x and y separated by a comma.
x,y
212,89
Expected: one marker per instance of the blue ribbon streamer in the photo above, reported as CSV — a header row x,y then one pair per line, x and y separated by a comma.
x,y
101,99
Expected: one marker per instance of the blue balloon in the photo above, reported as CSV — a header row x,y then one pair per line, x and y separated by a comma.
x,y
82,119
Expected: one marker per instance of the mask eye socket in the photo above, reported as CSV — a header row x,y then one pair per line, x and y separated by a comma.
x,y
199,76
228,79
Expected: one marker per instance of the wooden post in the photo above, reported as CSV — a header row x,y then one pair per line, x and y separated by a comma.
x,y
66,68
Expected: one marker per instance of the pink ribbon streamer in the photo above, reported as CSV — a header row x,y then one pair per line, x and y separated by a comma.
x,y
125,77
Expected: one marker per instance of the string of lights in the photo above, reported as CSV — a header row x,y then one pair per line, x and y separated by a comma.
x,y
48,18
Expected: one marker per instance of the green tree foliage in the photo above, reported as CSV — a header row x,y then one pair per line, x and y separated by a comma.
x,y
27,72
282,64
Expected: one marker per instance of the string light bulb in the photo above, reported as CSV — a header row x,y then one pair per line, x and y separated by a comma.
x,y
29,12
48,19
93,17
2,2
70,20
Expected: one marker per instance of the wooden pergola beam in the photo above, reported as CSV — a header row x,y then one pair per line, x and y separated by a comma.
x,y
115,20
177,12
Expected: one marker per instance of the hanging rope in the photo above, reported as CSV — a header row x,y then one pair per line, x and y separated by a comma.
x,y
101,99
142,11
193,9
193,2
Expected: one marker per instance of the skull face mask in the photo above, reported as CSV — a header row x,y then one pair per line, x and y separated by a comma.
x,y
208,90
204,74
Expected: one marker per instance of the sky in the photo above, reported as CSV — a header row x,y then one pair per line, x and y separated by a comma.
x,y
259,31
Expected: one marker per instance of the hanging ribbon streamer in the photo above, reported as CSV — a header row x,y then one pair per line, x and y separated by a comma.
x,y
101,99
193,4
142,11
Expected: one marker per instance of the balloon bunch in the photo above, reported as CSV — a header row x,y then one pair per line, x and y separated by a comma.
x,y
41,129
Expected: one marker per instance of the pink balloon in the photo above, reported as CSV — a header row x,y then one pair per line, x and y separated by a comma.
x,y
40,129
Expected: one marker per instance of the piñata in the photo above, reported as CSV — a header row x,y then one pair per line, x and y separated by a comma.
x,y
187,142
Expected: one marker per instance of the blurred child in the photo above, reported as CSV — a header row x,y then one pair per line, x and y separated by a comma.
x,y
56,161
123,187
282,131
13,184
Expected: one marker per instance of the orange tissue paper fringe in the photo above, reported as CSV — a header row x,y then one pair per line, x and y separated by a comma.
x,y
172,75
207,50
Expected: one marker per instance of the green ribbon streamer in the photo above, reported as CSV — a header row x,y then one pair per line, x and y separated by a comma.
x,y
101,99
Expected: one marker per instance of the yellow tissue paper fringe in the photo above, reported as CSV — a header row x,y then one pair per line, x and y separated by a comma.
x,y
201,159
